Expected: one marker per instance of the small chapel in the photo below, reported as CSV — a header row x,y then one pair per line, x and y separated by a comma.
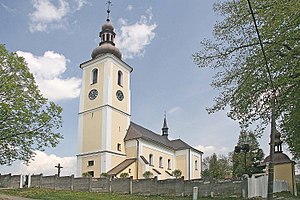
x,y
108,141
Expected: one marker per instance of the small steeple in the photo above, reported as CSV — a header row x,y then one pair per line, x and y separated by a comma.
x,y
107,36
165,127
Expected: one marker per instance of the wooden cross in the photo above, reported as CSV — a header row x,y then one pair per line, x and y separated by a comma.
x,y
58,169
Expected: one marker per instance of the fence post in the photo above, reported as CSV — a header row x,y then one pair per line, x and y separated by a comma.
x,y
245,187
72,182
156,185
55,181
130,185
195,193
90,184
29,181
109,182
41,179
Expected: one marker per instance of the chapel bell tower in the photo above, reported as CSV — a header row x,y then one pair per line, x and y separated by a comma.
x,y
104,110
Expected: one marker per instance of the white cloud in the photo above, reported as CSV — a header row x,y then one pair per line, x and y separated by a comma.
x,y
129,8
8,9
47,70
133,38
46,11
44,163
174,109
80,3
209,150
47,15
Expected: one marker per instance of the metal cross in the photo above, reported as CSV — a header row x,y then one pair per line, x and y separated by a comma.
x,y
109,3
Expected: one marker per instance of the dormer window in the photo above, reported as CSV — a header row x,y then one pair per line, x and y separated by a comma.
x,y
94,76
120,78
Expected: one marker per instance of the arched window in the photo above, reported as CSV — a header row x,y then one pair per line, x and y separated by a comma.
x,y
120,78
160,162
94,76
150,159
196,165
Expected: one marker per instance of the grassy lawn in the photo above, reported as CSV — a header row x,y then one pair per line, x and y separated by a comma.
x,y
72,195
49,194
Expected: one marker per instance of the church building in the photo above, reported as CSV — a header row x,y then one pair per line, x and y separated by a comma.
x,y
108,141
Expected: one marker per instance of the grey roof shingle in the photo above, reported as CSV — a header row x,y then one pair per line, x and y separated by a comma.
x,y
136,131
120,167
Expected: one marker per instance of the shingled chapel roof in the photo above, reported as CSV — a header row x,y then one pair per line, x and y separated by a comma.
x,y
279,158
136,131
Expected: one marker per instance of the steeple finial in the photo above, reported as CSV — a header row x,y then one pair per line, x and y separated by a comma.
x,y
108,10
165,126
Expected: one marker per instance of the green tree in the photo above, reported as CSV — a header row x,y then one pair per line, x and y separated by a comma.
x,y
253,157
241,74
217,168
28,121
177,173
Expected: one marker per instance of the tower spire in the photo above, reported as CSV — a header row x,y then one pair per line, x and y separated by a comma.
x,y
165,126
107,36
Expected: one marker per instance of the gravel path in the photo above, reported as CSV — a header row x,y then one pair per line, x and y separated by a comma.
x,y
7,197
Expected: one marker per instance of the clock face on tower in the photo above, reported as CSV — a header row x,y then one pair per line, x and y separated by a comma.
x,y
93,94
120,95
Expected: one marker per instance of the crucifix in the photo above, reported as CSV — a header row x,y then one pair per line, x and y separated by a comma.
x,y
58,169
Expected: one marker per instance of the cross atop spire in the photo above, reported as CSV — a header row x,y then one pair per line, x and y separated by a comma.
x,y
109,3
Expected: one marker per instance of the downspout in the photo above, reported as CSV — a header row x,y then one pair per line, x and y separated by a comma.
x,y
137,158
189,172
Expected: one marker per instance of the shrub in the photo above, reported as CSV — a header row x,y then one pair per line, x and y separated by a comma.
x,y
86,174
103,175
147,174
124,175
177,173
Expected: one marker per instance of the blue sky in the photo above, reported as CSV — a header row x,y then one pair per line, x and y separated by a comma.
x,y
157,38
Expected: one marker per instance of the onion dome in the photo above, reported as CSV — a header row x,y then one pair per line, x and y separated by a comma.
x,y
279,158
107,44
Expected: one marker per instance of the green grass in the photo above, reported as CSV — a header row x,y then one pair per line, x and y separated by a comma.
x,y
49,194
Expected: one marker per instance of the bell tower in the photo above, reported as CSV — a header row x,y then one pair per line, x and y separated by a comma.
x,y
104,109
